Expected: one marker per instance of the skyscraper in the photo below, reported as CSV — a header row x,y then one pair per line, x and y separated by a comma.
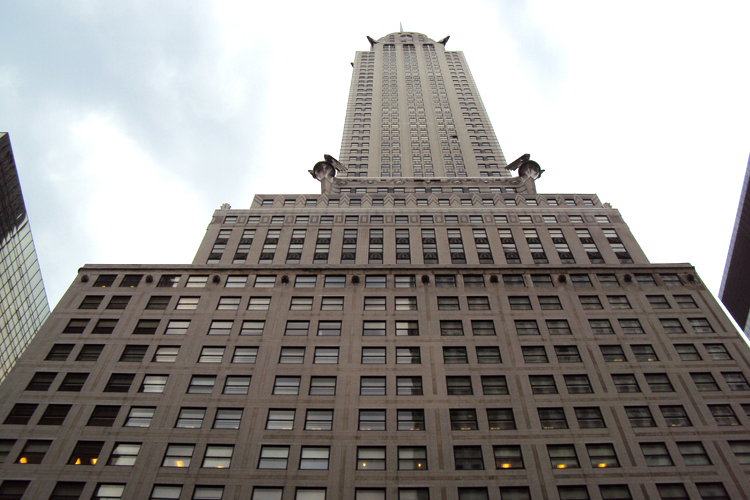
x,y
432,329
23,303
735,284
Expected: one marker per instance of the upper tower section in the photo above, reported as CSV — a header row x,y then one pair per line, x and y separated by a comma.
x,y
414,110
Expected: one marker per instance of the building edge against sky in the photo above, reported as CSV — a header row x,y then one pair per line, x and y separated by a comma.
x,y
23,301
429,327
735,283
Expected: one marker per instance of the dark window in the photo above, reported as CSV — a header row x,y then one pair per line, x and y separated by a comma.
x,y
659,382
578,384
146,327
675,416
455,355
105,280
169,281
409,386
91,302
459,386
602,455
451,328
488,355
542,384
558,327
520,303
20,414
86,453
501,419
66,490
103,416
640,416
33,452
601,327
54,415
552,418
468,457
493,385
119,382
644,352
550,302
590,418
90,352
625,383
464,420
482,327
656,455
59,352
563,456
41,381
131,280
712,491
76,326
567,354
158,302
527,327
724,415
736,381
615,492
13,490
408,420
104,326
133,353
118,302
73,382
573,492
534,354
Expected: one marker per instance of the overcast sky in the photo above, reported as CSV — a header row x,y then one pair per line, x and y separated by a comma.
x,y
132,121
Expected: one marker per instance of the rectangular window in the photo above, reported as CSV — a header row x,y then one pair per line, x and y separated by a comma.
x,y
245,355
717,352
211,355
329,328
578,384
640,416
741,450
612,353
124,454
590,302
296,328
41,381
455,355
631,326
480,327
187,303
252,327
178,455
656,455
672,325
53,414
20,414
280,420
372,386
73,382
409,420
563,456
301,304
374,304
288,386
675,416
405,281
103,416
644,352
409,386
625,383
602,455
106,326
314,458
273,457
153,384
236,282
590,418
332,304
526,327
542,384
228,418
488,355
292,355
305,281
558,327
469,457
412,458
492,385
552,418
137,417
520,303
91,302
118,302
237,384
601,327
406,303
201,384
326,355
693,453
464,420
659,382
429,246
567,354
451,328
190,418
534,354
259,303
371,420
406,355
375,281
658,302
724,415
370,458
700,325
687,352
59,352
322,386
501,419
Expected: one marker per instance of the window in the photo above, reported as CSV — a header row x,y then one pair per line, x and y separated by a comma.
x,y
527,327
736,381
567,354
292,355
549,302
286,386
409,386
188,303
373,355
407,328
41,381
741,450
513,280
672,325
455,355
211,355
314,457
631,326
165,492
602,455
86,453
470,457
520,303
501,419
53,415
644,352
491,384
372,386
552,418
153,384
373,328
601,327
216,457
618,302
675,416
659,382
190,418
301,304
329,328
236,282
693,453
580,279
625,383
658,302
73,382
323,386
406,303
252,327
296,328
332,304
712,491
590,302
178,455
201,384
169,281
370,458
371,420
578,384
704,382
558,327
405,281
131,353
459,386
124,454
448,304
542,384
259,303
282,420
236,384
106,326
488,355
412,458
685,302
534,354
687,352
336,281
104,416
305,281
139,416
451,328
590,418
220,327
717,352
405,355
118,302
656,455
20,414
700,325
464,420
408,420
91,302
445,280
573,492
33,451
59,352
473,280
228,418
174,327
375,281
480,327
273,457
472,494
563,456
724,415
612,353
369,494
326,355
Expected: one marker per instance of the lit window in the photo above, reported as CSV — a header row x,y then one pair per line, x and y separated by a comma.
x,y
178,455
602,455
563,456
412,458
370,458
217,457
